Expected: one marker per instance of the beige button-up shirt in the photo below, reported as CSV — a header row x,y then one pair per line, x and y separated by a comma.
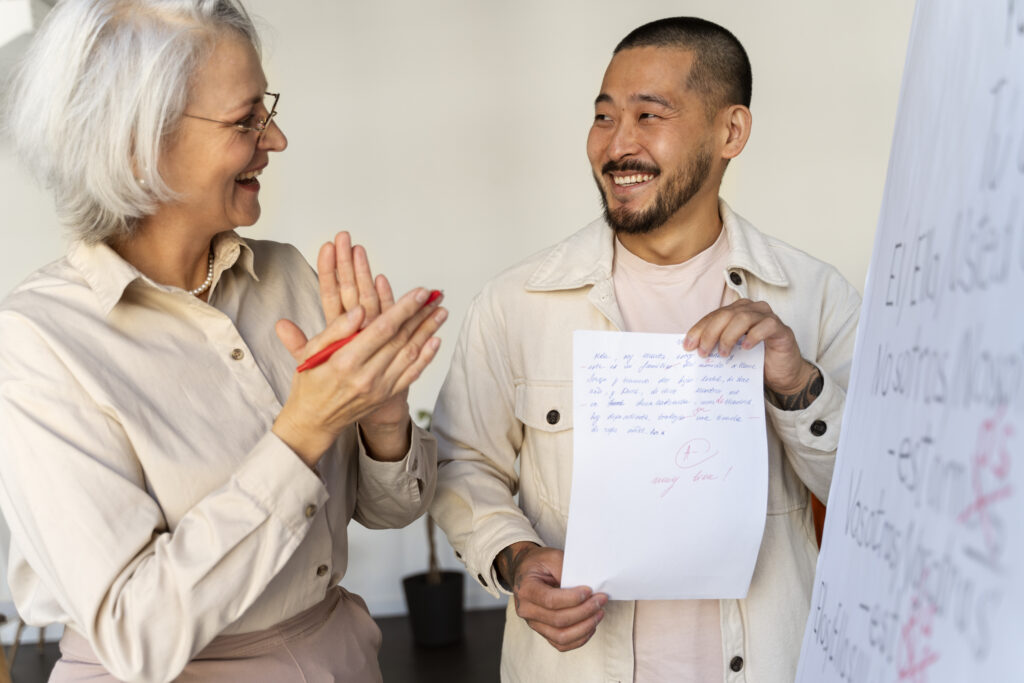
x,y
151,508
508,396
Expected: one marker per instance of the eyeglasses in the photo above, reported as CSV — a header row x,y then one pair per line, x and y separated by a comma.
x,y
260,126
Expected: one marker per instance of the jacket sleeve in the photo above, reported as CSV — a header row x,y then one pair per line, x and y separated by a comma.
x,y
391,495
479,439
75,496
810,436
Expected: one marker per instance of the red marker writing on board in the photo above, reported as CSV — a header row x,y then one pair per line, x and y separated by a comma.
x,y
321,356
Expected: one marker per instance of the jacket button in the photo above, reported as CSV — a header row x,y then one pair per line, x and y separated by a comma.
x,y
310,511
736,280
736,663
818,428
553,417
480,578
321,570
237,354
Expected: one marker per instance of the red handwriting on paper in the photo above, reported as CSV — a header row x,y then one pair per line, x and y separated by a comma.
x,y
693,453
668,482
990,471
915,656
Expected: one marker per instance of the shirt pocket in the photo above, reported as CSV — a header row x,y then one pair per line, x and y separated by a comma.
x,y
545,409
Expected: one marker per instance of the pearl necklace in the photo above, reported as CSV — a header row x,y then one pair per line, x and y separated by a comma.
x,y
208,281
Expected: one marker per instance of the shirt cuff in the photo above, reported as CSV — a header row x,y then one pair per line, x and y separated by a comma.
x,y
484,547
389,473
816,427
277,479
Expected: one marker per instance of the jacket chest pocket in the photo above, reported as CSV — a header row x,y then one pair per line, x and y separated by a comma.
x,y
545,409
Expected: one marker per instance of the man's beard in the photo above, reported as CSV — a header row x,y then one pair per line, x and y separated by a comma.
x,y
676,192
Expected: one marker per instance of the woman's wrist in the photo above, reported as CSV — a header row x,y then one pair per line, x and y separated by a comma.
x,y
388,442
307,443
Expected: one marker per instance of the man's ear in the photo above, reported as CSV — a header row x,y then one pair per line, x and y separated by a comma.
x,y
735,125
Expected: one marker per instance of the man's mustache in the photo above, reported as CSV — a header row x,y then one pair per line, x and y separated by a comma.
x,y
634,165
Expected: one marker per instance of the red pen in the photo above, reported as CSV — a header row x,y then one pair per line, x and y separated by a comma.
x,y
321,356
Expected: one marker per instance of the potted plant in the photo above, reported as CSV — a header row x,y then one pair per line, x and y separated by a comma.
x,y
434,597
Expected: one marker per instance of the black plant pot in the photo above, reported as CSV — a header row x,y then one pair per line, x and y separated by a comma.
x,y
435,610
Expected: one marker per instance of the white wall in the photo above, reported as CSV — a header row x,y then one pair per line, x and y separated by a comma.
x,y
448,136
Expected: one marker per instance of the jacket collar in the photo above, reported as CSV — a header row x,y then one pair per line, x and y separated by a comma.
x,y
110,276
585,258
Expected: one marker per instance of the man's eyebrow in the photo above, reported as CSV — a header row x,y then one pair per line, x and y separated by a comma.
x,y
638,97
654,99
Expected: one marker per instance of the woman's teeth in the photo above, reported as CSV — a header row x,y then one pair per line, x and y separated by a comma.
x,y
632,179
248,176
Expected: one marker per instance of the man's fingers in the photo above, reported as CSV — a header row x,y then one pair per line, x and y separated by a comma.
x,y
561,617
738,325
534,590
571,636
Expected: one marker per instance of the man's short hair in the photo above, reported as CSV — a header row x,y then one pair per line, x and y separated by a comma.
x,y
721,69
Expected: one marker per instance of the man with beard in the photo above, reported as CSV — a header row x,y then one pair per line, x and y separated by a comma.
x,y
668,256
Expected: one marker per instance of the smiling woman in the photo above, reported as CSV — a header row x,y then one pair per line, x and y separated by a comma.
x,y
209,484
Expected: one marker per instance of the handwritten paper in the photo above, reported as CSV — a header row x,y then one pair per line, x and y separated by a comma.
x,y
919,574
670,468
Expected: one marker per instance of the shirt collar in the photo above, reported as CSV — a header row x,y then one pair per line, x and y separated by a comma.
x,y
109,275
585,258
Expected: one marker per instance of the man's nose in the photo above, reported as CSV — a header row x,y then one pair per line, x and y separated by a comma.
x,y
624,141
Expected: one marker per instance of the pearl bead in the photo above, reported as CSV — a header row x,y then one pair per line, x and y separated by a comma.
x,y
207,282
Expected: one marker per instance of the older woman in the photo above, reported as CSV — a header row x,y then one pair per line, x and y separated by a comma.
x,y
177,493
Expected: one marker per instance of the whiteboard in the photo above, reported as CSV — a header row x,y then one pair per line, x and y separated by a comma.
x,y
921,574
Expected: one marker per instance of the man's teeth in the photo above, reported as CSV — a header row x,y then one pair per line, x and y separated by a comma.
x,y
632,179
249,175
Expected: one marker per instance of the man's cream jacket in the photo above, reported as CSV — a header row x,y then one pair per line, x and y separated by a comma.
x,y
509,394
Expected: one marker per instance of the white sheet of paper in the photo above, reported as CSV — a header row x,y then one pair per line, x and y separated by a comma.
x,y
670,468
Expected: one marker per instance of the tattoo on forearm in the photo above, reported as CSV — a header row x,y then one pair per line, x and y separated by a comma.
x,y
507,563
800,399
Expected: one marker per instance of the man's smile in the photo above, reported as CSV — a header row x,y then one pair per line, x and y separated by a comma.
x,y
630,180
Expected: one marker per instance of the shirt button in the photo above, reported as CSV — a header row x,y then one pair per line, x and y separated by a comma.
x,y
736,280
458,554
321,570
480,578
310,510
736,663
237,354
553,417
818,428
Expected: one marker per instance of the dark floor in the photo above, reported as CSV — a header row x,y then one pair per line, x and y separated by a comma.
x,y
474,660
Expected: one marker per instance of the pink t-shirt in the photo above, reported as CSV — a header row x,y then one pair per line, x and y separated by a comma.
x,y
673,640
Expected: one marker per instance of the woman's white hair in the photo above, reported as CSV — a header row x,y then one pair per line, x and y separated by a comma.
x,y
103,84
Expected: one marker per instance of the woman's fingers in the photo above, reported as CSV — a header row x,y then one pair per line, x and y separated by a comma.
x,y
327,277
384,293
405,341
293,338
412,372
416,353
345,271
368,297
